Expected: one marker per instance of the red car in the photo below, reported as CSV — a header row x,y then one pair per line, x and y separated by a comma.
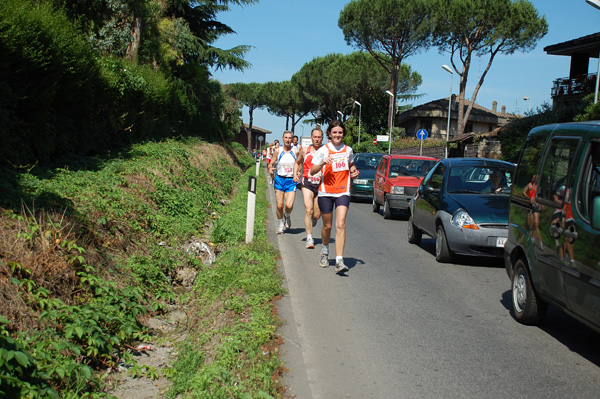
x,y
396,181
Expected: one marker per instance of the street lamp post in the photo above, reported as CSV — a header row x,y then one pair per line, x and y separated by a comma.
x,y
596,4
447,69
359,116
528,98
392,121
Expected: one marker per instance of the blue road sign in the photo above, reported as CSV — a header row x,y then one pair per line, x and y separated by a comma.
x,y
421,134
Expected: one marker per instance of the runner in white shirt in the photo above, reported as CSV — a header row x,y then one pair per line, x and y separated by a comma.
x,y
335,160
268,157
295,143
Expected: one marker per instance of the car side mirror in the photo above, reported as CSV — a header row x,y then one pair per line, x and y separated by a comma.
x,y
596,213
430,190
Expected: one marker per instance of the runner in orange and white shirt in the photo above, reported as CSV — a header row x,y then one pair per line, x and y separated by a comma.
x,y
310,184
335,160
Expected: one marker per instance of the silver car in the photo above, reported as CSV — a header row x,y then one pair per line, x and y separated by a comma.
x,y
463,204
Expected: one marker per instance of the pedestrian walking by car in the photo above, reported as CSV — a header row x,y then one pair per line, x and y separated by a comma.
x,y
282,167
335,160
309,184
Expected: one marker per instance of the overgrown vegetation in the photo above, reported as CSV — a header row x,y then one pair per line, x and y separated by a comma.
x,y
82,77
89,251
233,352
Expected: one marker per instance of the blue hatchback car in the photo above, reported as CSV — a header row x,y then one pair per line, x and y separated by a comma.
x,y
463,203
366,163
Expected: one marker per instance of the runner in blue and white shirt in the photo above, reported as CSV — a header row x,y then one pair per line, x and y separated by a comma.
x,y
285,187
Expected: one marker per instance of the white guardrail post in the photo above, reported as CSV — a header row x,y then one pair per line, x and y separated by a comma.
x,y
250,209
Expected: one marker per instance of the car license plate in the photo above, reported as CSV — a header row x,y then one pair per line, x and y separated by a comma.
x,y
500,241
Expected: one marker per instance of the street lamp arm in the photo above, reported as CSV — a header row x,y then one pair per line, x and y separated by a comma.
x,y
594,3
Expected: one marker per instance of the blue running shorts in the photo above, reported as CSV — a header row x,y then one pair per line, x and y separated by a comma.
x,y
285,184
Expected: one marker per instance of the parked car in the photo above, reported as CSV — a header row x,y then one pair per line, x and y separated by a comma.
x,y
366,163
463,204
552,255
396,180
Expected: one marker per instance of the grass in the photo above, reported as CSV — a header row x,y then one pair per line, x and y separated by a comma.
x,y
90,250
234,354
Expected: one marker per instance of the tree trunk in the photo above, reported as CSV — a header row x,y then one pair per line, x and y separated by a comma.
x,y
249,129
462,121
133,47
477,87
392,107
293,123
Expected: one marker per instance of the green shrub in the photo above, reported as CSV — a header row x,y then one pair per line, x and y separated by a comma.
x,y
20,374
58,97
50,84
513,135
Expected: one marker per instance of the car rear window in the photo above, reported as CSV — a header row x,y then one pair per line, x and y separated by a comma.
x,y
366,162
410,167
482,179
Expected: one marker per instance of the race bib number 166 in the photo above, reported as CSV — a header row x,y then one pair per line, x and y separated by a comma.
x,y
339,162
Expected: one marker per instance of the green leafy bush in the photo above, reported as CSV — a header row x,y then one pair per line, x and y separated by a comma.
x,y
51,86
513,135
20,374
59,97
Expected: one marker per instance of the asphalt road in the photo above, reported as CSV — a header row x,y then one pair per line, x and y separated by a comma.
x,y
401,325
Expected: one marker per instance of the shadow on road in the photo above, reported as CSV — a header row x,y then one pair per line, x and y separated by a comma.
x,y
574,335
428,244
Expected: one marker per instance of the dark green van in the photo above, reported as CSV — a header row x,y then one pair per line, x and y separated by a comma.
x,y
552,255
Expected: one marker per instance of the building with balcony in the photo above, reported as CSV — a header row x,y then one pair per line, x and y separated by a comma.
x,y
580,82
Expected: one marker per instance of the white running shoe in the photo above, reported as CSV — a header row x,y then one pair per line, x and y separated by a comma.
x,y
280,229
324,262
340,267
310,243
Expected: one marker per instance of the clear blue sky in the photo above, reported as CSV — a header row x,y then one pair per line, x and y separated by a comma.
x,y
286,34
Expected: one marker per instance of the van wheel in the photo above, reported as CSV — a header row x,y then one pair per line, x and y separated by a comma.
x,y
387,212
528,308
375,204
414,234
442,252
